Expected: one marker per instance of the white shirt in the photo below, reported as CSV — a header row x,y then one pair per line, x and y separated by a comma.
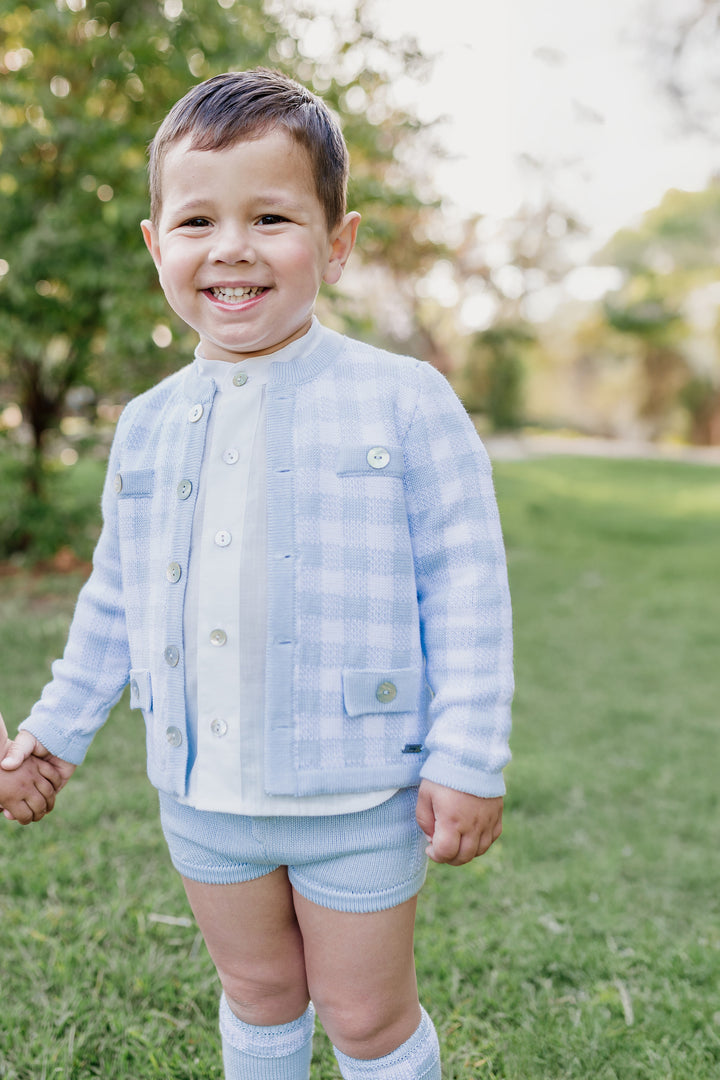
x,y
225,612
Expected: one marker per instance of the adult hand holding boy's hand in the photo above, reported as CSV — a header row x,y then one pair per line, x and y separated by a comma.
x,y
51,768
459,826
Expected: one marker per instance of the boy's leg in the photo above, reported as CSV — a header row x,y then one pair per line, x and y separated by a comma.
x,y
253,937
361,975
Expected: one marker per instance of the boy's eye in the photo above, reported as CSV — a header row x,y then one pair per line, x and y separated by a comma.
x,y
196,222
271,219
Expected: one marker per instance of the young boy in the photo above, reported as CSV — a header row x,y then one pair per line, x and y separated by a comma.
x,y
301,574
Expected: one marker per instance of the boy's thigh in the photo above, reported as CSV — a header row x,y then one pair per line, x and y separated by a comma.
x,y
252,934
361,974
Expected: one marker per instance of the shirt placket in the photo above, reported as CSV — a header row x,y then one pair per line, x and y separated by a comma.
x,y
219,740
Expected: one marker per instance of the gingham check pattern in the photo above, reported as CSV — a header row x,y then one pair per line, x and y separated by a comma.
x,y
376,575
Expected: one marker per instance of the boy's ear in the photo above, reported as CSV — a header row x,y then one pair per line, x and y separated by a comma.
x,y
342,241
150,237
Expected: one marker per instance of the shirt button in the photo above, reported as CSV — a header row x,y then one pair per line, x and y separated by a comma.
x,y
184,489
172,656
218,637
378,457
223,538
240,378
386,692
219,728
230,456
174,736
117,483
195,413
173,572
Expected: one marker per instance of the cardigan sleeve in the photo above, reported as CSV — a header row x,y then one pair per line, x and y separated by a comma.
x,y
94,669
463,594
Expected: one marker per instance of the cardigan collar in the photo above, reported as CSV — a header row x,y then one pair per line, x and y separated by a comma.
x,y
299,367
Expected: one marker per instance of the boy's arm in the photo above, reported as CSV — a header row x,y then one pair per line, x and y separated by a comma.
x,y
459,827
463,596
95,667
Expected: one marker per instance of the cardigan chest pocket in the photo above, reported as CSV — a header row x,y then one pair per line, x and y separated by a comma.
x,y
370,460
134,484
391,691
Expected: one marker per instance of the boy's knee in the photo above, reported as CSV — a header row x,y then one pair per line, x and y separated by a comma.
x,y
265,1002
366,1029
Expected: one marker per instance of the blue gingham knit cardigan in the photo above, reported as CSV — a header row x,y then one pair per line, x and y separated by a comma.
x,y
389,653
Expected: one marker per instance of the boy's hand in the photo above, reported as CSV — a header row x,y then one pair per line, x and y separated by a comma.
x,y
26,745
459,826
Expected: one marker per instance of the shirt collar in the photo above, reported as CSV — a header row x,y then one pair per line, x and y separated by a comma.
x,y
304,361
256,367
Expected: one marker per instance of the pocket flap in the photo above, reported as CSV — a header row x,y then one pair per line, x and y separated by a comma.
x,y
370,460
397,690
134,484
140,689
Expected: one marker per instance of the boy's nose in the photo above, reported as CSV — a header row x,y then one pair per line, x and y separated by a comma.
x,y
232,245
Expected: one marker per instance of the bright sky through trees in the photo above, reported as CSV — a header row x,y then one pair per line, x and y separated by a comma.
x,y
568,83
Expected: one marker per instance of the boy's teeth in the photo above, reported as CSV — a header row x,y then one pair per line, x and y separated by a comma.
x,y
244,293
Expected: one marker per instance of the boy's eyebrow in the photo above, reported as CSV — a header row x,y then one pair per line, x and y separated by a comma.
x,y
271,198
191,205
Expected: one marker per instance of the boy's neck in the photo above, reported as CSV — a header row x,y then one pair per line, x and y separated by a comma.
x,y
286,352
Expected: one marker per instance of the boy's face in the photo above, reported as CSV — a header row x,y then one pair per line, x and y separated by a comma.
x,y
242,244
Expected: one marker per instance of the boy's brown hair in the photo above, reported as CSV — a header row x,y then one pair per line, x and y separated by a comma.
x,y
246,105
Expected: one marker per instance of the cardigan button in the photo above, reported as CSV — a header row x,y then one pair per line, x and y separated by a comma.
x,y
184,489
378,457
386,692
172,656
195,413
174,736
117,483
173,572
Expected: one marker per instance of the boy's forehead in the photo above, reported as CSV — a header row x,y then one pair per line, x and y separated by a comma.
x,y
276,143
275,155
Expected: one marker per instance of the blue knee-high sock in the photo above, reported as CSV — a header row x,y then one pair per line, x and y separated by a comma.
x,y
279,1052
416,1059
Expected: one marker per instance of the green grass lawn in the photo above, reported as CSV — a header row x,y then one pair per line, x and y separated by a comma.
x,y
585,944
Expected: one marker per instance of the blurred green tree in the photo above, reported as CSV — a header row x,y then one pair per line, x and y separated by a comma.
x,y
531,255
495,373
83,86
670,263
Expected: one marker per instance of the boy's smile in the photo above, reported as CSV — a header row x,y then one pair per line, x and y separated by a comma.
x,y
242,244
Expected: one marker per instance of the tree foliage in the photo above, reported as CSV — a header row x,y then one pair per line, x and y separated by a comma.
x,y
671,268
83,86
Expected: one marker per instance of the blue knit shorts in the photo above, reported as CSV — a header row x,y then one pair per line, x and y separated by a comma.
x,y
358,862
